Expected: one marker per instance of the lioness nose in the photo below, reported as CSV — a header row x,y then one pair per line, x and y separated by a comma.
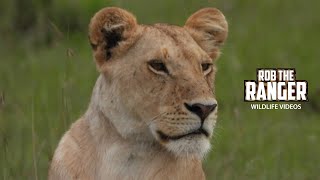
x,y
201,110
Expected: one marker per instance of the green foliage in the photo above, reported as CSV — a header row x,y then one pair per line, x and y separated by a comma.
x,y
47,75
41,21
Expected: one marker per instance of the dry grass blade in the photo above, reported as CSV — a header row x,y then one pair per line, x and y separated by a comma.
x,y
2,99
56,30
70,52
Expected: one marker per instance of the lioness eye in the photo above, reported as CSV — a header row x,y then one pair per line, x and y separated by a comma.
x,y
206,67
158,66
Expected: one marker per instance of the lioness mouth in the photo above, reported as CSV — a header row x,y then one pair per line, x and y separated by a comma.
x,y
199,131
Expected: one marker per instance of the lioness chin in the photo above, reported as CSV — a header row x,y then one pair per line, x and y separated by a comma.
x,y
153,108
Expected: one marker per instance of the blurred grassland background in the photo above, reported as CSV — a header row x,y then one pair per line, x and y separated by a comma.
x,y
47,75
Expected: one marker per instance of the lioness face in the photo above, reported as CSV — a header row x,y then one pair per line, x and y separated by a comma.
x,y
159,79
173,88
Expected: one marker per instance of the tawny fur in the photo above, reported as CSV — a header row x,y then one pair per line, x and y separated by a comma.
x,y
117,138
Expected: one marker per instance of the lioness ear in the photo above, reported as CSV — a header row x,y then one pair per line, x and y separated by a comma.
x,y
111,31
209,29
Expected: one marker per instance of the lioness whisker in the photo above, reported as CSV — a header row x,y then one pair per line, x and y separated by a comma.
x,y
155,118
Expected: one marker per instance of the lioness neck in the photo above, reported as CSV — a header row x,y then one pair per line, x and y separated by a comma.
x,y
121,157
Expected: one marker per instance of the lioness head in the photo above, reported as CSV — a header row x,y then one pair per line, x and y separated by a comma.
x,y
158,80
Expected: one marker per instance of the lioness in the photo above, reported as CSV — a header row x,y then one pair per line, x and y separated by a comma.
x,y
153,107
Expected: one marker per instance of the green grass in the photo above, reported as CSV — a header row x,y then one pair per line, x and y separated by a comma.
x,y
47,88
